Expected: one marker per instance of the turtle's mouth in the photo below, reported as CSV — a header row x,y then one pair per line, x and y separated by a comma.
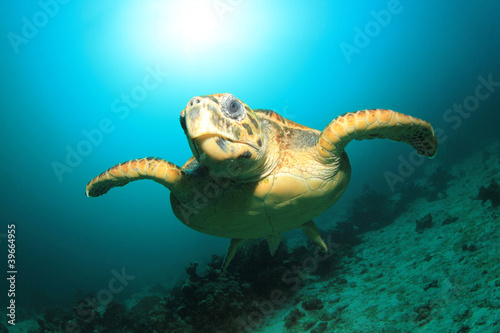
x,y
206,143
212,149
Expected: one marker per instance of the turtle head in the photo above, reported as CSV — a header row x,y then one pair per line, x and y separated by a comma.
x,y
225,136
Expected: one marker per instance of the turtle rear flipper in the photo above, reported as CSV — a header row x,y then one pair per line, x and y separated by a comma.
x,y
311,231
378,123
157,169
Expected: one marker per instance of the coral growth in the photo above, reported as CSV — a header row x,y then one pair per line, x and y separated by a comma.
x,y
438,183
371,210
293,318
115,315
491,193
208,302
312,304
424,223
256,283
346,233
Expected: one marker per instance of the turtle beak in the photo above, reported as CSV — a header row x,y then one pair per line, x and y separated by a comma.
x,y
201,126
212,148
198,123
182,119
194,149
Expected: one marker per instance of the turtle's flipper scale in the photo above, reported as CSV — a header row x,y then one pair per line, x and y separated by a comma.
x,y
378,123
153,168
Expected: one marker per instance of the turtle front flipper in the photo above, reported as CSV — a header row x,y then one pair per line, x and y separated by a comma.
x,y
372,124
157,169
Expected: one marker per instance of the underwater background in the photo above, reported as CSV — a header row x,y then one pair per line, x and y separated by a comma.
x,y
88,84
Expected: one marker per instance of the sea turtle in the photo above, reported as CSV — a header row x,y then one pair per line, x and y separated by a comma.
x,y
256,174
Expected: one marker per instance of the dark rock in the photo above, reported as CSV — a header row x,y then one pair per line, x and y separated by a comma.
x,y
41,323
461,316
432,284
450,220
438,183
188,290
475,287
86,316
320,328
308,325
346,233
140,313
191,271
464,329
491,193
145,305
424,223
54,317
212,273
371,211
82,317
293,318
312,304
217,262
115,315
341,281
470,248
422,312
328,316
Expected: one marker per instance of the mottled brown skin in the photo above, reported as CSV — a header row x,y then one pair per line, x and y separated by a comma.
x,y
298,189
256,174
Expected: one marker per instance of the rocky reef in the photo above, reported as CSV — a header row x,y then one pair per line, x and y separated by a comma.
x,y
490,193
256,285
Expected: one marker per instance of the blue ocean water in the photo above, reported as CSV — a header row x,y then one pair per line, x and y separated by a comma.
x,y
86,85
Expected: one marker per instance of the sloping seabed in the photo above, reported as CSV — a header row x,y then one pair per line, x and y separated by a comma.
x,y
443,277
425,260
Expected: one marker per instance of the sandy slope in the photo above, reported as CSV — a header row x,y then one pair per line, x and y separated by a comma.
x,y
445,279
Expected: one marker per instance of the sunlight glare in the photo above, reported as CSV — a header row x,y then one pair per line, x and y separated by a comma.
x,y
187,26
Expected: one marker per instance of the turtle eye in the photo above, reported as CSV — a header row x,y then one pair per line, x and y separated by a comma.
x,y
233,108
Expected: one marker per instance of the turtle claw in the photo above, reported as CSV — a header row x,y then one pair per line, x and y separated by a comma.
x,y
311,231
231,251
273,241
